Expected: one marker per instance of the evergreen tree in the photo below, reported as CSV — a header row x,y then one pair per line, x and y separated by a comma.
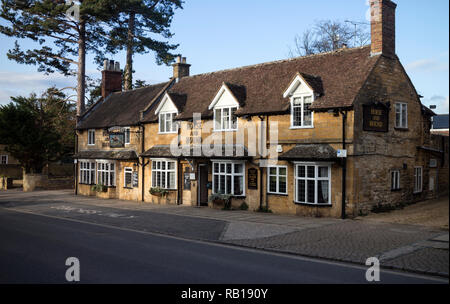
x,y
144,20
63,34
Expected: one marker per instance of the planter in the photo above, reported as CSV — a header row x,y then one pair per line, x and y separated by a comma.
x,y
32,182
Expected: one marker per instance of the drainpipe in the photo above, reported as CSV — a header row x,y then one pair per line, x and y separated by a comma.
x,y
143,162
261,169
344,165
76,165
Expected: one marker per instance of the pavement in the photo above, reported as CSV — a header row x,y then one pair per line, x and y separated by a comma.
x,y
411,248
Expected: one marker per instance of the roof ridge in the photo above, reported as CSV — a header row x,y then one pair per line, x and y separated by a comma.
x,y
280,61
141,88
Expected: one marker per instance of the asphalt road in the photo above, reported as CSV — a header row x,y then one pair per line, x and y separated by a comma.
x,y
34,248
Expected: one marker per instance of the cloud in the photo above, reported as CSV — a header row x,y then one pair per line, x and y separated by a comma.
x,y
441,102
437,63
17,83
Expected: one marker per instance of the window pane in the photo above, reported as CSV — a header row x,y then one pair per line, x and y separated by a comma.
x,y
222,184
216,168
162,123
233,119
168,122
323,190
323,172
273,184
218,119
228,185
238,185
226,119
216,183
307,113
301,191
238,168
311,188
311,171
301,171
229,168
297,116
282,184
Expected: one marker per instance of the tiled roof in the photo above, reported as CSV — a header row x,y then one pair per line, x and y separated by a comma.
x,y
223,152
121,108
109,155
310,152
337,76
440,122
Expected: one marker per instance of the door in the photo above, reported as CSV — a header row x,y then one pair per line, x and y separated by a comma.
x,y
203,185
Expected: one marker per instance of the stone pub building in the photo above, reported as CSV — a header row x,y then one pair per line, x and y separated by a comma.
x,y
352,134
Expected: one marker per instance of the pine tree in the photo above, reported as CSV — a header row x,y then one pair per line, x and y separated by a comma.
x,y
61,42
145,19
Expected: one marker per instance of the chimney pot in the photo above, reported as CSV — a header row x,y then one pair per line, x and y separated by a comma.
x,y
105,64
117,66
181,68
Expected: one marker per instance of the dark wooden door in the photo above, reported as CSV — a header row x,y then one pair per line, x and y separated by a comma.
x,y
203,195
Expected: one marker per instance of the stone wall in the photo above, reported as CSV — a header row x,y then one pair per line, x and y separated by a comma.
x,y
377,154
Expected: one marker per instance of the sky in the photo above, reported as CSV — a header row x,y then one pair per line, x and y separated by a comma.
x,y
216,35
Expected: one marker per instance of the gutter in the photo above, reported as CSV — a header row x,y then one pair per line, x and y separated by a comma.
x,y
344,166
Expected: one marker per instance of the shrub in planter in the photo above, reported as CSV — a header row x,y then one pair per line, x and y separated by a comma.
x,y
221,200
159,192
244,206
99,188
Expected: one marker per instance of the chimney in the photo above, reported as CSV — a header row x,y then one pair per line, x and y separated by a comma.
x,y
111,78
180,68
383,27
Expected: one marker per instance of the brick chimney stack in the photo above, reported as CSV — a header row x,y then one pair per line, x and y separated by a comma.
x,y
383,27
111,78
180,68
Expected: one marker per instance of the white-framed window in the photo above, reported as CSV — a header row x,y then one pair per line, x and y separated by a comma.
x,y
277,180
167,123
401,115
229,178
301,115
313,183
418,179
87,172
106,173
395,180
91,137
164,174
128,177
225,119
3,159
127,132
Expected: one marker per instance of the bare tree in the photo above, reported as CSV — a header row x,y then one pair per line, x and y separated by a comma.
x,y
328,35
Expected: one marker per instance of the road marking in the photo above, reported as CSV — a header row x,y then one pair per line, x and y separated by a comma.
x,y
235,247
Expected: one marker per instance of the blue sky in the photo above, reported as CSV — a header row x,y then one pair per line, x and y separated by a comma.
x,y
216,35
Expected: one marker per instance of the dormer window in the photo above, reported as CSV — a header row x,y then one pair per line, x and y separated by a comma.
x,y
224,106
301,95
225,119
167,123
167,111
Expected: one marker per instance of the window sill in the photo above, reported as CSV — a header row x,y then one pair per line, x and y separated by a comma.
x,y
167,133
402,129
225,131
301,128
313,205
277,194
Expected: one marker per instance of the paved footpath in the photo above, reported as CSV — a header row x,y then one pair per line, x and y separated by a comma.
x,y
405,247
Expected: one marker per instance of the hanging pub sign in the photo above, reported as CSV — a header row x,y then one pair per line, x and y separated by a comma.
x,y
376,118
252,178
117,140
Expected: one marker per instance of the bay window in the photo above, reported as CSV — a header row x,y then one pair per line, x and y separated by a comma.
x,y
277,182
87,172
229,178
301,115
164,174
106,174
313,184
225,119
